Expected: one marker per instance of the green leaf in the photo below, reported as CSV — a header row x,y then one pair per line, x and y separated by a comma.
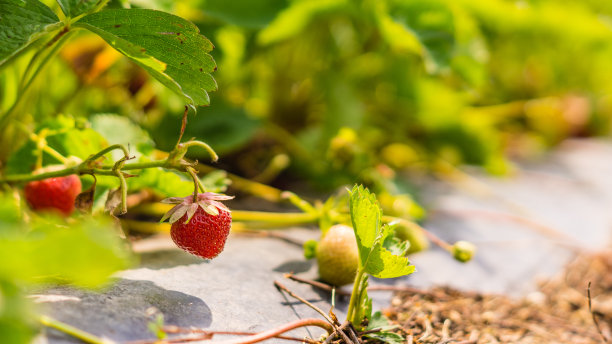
x,y
74,8
365,216
121,130
374,258
170,48
21,23
380,321
382,263
387,337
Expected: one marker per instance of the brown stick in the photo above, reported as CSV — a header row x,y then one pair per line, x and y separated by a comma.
x,y
176,329
320,285
593,314
342,292
317,309
281,329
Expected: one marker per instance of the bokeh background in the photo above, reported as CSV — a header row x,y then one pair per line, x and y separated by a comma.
x,y
339,91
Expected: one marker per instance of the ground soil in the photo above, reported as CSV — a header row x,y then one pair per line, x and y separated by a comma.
x,y
557,313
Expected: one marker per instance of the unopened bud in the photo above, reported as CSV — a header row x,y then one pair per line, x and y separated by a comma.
x,y
463,251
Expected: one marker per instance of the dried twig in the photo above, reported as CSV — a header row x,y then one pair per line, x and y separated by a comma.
x,y
593,314
304,301
317,309
281,329
327,287
177,329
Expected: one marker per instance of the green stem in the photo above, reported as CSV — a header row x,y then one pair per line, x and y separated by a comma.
x,y
355,295
211,152
124,189
96,156
37,139
147,164
298,202
73,331
197,184
284,218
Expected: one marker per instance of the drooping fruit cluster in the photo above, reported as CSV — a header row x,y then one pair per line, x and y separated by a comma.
x,y
53,194
200,226
338,256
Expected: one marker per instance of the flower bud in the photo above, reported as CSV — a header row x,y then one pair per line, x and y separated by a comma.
x,y
463,251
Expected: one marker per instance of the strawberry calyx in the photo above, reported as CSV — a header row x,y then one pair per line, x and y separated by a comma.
x,y
208,201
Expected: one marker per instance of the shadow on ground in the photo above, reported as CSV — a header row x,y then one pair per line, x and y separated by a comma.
x,y
120,313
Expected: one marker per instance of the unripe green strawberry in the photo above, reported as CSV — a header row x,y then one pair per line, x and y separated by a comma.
x,y
54,194
463,251
417,239
338,256
201,227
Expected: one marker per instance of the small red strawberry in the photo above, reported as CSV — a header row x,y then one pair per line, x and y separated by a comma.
x,y
56,194
201,227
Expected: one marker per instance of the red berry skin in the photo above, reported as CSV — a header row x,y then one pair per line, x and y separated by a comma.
x,y
204,235
55,194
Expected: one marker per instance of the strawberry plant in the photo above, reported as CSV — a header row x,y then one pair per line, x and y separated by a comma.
x,y
379,254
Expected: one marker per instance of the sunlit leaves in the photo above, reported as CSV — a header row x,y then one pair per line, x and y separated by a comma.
x,y
170,48
374,258
21,23
85,253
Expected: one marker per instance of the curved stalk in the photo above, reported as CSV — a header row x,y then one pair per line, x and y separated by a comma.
x,y
108,149
281,329
213,155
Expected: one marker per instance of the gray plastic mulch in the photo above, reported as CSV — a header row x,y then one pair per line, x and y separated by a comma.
x,y
526,227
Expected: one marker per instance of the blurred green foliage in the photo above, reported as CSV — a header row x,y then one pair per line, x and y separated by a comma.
x,y
342,86
37,250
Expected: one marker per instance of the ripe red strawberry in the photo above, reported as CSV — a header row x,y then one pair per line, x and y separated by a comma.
x,y
56,194
200,228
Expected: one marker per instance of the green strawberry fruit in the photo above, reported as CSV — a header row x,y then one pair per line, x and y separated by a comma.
x,y
463,251
338,256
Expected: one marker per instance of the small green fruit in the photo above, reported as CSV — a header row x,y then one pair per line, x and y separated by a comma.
x,y
338,256
463,251
417,239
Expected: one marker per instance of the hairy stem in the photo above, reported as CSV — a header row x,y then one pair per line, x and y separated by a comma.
x,y
355,295
96,156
